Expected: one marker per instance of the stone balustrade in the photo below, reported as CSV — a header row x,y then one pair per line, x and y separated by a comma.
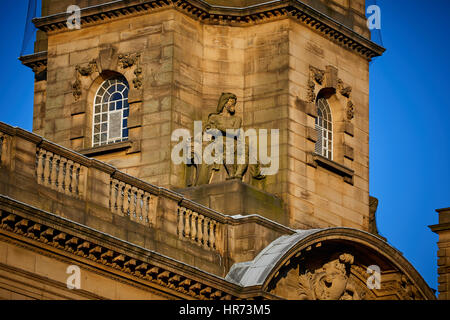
x,y
198,228
133,202
84,190
59,173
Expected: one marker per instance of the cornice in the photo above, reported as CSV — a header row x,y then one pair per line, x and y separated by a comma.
x,y
36,61
209,14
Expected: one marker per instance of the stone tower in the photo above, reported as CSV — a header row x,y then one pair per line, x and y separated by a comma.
x,y
97,185
293,66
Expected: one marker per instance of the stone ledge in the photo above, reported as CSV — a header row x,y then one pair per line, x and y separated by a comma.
x,y
234,197
318,160
113,147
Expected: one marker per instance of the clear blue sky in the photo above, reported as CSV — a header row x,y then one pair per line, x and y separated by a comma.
x,y
409,119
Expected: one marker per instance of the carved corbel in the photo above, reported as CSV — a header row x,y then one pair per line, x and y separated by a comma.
x,y
38,68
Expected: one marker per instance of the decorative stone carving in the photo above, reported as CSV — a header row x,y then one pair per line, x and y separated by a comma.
x,y
137,81
343,90
330,282
408,290
317,74
223,119
350,110
38,68
88,70
373,205
76,89
311,95
129,60
85,72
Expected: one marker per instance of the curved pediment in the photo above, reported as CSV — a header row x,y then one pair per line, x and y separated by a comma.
x,y
332,264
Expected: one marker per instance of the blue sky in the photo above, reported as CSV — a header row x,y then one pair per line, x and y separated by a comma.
x,y
409,119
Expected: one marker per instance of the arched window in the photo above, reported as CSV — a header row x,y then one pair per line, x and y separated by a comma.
x,y
324,127
111,112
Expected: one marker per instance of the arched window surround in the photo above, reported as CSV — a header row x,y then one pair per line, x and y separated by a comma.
x,y
110,112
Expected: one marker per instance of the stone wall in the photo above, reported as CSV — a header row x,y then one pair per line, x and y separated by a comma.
x,y
319,196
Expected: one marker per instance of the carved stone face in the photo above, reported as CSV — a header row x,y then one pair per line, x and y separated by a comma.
x,y
230,105
331,283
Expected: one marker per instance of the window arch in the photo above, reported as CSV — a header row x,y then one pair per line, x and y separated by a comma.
x,y
324,127
111,110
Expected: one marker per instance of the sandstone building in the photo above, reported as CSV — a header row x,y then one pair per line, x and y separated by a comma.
x,y
94,185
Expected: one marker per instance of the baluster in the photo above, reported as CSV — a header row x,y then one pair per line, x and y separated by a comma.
x,y
82,174
47,165
68,176
212,236
40,165
187,225
120,196
206,232
153,204
54,171
113,195
194,225
126,199
133,200
146,208
75,177
62,164
139,205
181,213
200,229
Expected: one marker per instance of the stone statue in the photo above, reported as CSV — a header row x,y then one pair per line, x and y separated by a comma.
x,y
223,120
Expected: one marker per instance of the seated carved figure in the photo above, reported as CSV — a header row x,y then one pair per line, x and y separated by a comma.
x,y
234,159
225,119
